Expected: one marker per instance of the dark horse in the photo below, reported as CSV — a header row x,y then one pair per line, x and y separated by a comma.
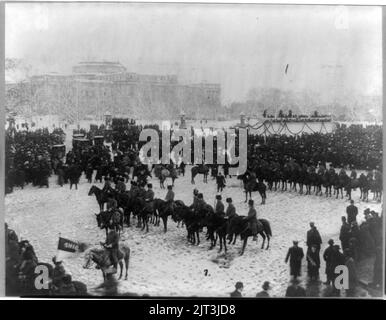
x,y
217,229
164,211
101,258
110,220
192,221
239,226
100,196
250,185
201,169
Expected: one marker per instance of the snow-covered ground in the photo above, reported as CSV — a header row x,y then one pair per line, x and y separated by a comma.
x,y
165,264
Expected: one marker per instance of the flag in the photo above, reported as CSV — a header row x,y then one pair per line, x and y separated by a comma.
x,y
68,245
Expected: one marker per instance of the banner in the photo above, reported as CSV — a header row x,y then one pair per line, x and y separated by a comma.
x,y
67,245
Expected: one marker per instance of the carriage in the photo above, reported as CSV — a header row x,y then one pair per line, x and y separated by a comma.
x,y
81,143
58,151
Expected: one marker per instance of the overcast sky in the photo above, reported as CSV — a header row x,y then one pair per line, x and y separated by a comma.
x,y
238,46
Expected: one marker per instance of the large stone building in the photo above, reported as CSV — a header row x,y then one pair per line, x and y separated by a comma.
x,y
95,87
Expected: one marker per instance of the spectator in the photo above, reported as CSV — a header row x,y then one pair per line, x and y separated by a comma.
x,y
264,293
345,233
238,290
328,256
352,212
294,290
313,237
295,255
352,274
313,262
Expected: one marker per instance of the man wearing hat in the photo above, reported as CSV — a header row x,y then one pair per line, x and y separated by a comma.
x,y
230,214
313,237
149,194
264,293
238,289
252,219
220,181
328,257
120,186
107,186
200,203
295,255
219,209
352,212
169,198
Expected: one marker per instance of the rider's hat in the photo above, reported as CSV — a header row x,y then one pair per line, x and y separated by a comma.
x,y
170,187
149,185
250,202
218,197
229,200
200,196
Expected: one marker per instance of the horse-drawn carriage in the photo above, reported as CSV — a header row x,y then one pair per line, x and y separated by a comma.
x,y
58,151
80,143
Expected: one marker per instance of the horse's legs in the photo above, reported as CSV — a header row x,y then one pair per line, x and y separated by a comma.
x,y
268,237
225,242
244,245
121,266
198,237
165,221
263,235
127,257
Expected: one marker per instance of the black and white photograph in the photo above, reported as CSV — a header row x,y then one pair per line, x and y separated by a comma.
x,y
193,150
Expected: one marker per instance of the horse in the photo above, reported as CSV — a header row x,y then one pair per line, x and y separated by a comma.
x,y
100,195
217,225
191,220
164,210
200,169
250,185
101,258
239,226
110,220
162,174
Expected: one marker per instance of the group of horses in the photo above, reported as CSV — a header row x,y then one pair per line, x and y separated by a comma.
x,y
132,202
306,179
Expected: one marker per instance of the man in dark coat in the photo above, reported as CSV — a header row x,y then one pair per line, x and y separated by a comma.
x,y
295,255
238,289
219,209
220,180
327,256
112,245
294,290
345,234
337,259
352,212
313,237
264,293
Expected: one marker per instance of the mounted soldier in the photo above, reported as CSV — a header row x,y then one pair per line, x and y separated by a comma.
x,y
252,219
149,197
169,198
112,246
219,209
107,188
120,187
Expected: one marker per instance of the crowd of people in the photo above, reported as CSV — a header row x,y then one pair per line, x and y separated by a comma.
x,y
29,160
357,241
22,278
28,157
